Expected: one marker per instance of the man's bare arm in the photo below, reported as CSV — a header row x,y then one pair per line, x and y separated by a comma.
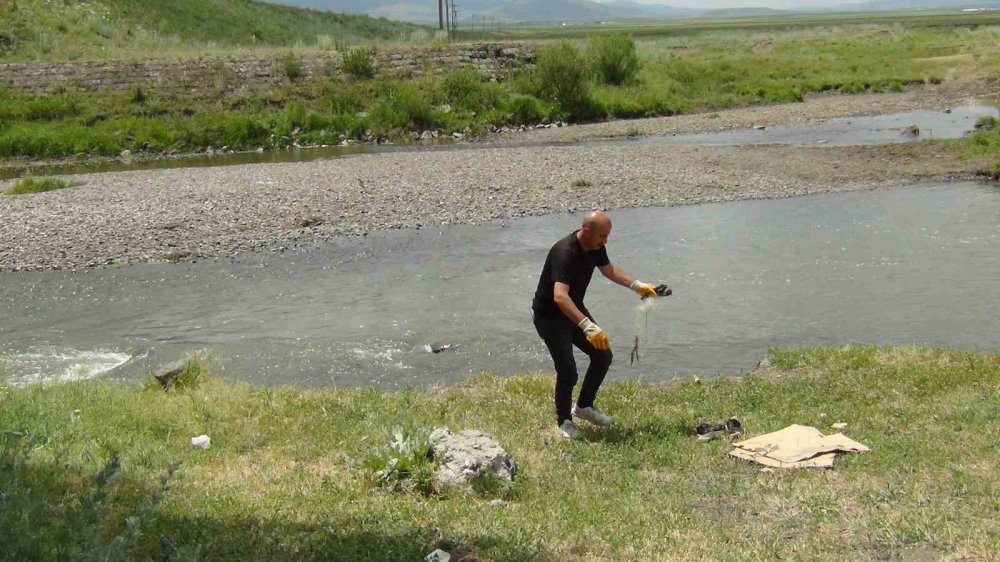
x,y
625,280
566,304
617,275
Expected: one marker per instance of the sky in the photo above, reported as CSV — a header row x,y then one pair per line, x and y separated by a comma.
x,y
715,4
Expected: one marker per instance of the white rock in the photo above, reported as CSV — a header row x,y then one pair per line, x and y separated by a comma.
x,y
201,442
438,556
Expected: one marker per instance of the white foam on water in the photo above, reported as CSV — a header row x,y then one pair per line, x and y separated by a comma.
x,y
60,365
376,355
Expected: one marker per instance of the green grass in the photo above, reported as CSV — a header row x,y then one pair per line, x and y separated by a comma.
x,y
98,29
984,143
103,470
33,185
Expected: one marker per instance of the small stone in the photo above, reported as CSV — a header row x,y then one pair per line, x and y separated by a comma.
x,y
839,425
126,154
165,374
438,556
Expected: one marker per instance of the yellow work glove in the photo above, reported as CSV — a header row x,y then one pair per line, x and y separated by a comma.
x,y
595,335
644,289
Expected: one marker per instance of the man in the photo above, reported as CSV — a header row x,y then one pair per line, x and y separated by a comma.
x,y
563,321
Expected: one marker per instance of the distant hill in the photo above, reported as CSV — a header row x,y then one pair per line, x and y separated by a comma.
x,y
650,10
101,28
517,10
903,5
744,12
425,11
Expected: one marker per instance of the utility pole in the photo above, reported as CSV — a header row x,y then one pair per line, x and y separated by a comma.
x,y
441,15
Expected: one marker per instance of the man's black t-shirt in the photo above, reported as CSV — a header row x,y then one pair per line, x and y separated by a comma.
x,y
567,263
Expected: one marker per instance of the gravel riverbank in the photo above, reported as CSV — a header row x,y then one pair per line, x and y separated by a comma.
x,y
174,214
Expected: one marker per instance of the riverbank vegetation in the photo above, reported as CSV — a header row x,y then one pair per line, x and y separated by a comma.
x,y
611,77
105,470
33,185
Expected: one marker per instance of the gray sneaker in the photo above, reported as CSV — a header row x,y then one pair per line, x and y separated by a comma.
x,y
593,415
568,430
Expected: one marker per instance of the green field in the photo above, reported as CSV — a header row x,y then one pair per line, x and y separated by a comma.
x,y
104,470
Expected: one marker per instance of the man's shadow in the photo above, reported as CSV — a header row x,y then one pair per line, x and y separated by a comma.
x,y
630,433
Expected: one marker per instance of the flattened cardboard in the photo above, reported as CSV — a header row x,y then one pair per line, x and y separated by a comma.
x,y
796,446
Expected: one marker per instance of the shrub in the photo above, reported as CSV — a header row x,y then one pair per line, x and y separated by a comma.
x,y
294,117
406,464
51,140
346,100
292,66
325,42
525,110
614,58
401,105
415,103
987,123
563,78
51,108
192,375
245,131
358,63
32,185
467,89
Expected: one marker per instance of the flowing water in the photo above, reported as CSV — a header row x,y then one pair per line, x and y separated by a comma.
x,y
889,266
906,127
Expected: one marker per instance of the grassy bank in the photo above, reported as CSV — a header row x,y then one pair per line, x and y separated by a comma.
x,y
104,471
61,30
572,81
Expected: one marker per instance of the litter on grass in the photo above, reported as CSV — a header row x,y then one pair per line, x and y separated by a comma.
x,y
796,446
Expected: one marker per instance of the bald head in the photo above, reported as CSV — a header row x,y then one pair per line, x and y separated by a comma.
x,y
595,231
596,220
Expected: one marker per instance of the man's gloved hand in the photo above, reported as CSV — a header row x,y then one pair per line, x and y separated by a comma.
x,y
644,289
595,335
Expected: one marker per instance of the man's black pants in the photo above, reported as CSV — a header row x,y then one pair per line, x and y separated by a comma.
x,y
560,336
